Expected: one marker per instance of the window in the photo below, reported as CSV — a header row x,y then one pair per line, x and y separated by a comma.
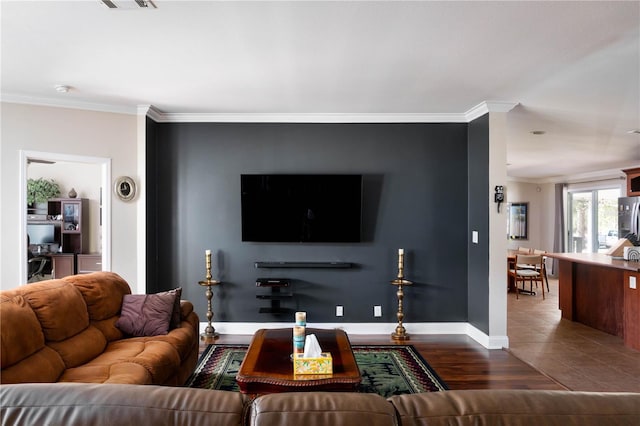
x,y
593,220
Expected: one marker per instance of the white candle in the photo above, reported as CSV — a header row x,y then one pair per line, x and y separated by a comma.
x,y
207,259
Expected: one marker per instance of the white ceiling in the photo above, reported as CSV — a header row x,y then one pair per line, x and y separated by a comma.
x,y
573,67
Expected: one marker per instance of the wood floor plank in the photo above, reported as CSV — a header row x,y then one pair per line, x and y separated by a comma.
x,y
460,361
576,356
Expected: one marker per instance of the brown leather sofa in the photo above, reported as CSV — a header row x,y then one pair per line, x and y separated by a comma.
x,y
65,331
114,404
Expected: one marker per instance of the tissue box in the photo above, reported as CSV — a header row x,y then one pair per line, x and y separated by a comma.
x,y
322,365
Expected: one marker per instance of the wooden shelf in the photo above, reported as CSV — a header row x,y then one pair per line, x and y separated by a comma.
x,y
73,217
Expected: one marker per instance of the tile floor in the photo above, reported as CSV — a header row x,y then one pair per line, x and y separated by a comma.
x,y
577,356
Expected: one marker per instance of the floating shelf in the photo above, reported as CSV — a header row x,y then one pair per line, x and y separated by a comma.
x,y
341,265
275,296
272,282
276,311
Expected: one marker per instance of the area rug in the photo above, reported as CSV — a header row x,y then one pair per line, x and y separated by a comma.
x,y
385,369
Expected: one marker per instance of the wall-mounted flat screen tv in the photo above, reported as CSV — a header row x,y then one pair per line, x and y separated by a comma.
x,y
301,208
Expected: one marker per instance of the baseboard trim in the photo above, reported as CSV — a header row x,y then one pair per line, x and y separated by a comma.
x,y
489,342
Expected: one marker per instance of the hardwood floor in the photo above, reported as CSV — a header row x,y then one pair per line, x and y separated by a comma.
x,y
545,352
460,361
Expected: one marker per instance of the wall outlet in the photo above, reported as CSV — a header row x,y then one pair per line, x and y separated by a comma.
x,y
377,311
339,311
632,282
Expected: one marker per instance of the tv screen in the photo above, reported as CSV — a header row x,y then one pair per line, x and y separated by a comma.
x,y
301,208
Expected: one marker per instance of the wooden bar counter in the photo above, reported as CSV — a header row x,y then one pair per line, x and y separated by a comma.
x,y
595,290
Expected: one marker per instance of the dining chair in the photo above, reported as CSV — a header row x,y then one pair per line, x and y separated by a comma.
x,y
543,270
524,250
527,267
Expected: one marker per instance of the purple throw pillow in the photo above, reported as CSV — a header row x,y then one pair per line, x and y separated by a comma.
x,y
176,316
146,314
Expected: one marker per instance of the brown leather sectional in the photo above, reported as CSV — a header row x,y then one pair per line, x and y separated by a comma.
x,y
65,331
113,404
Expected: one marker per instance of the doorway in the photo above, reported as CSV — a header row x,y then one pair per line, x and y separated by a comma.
x,y
102,167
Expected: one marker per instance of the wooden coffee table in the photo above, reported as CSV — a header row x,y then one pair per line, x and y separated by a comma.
x,y
267,366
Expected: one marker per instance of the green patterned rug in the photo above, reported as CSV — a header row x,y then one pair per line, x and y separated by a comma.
x,y
386,369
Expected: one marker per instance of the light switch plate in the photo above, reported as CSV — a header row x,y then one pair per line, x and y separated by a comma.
x,y
377,311
632,282
474,237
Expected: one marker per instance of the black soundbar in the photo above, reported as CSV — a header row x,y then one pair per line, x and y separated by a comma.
x,y
303,264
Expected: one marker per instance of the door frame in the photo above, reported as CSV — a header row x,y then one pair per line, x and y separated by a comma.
x,y
595,211
105,172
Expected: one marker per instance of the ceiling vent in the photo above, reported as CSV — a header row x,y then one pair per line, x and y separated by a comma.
x,y
129,4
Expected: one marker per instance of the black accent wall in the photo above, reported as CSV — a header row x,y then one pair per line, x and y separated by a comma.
x,y
415,196
153,284
479,193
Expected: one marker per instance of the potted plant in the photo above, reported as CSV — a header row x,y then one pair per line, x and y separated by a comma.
x,y
40,190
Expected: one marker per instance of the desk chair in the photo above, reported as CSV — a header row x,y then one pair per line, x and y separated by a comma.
x,y
526,268
35,268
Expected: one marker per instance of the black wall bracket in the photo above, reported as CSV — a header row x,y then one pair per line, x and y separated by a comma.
x,y
303,264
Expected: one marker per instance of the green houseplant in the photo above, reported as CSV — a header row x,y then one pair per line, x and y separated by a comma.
x,y
41,189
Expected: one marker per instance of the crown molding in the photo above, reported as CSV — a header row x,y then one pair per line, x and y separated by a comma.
x,y
67,103
470,115
488,106
308,118
607,175
151,112
171,117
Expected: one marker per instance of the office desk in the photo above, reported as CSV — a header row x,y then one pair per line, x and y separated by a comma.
x,y
63,264
88,262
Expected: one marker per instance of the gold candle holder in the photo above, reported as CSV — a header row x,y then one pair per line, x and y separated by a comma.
x,y
400,333
209,331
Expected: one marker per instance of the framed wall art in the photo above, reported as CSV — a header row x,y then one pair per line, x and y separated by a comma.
x,y
518,223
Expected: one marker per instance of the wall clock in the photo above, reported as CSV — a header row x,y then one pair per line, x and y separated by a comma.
x,y
125,188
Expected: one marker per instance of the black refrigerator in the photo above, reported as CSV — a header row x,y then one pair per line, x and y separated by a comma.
x,y
628,208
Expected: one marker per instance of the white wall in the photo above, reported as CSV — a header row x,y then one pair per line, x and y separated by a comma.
x,y
540,197
72,132
497,246
85,179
